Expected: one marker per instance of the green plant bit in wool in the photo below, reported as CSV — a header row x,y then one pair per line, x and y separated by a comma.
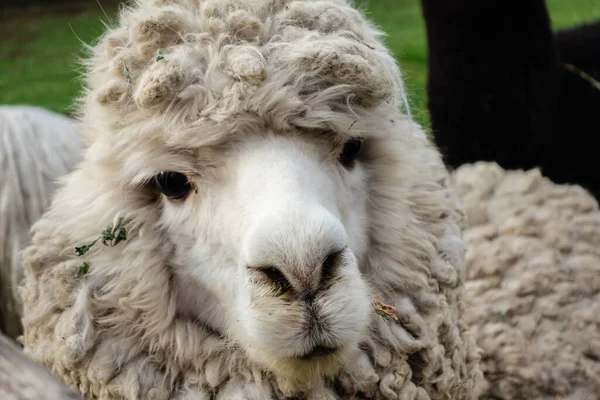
x,y
110,236
385,311
159,55
127,73
81,250
85,267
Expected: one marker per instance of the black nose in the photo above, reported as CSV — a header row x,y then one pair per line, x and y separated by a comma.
x,y
318,351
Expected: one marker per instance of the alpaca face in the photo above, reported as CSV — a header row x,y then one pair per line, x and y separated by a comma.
x,y
268,247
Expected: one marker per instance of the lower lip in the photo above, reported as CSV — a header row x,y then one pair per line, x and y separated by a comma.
x,y
318,353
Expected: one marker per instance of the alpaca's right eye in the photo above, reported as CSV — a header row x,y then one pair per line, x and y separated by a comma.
x,y
174,185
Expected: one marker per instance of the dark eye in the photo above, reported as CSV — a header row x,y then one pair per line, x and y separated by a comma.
x,y
350,152
174,185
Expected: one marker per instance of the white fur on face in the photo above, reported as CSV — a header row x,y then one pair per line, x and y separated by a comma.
x,y
282,203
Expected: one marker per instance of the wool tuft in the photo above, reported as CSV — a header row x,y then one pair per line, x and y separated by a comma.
x,y
533,282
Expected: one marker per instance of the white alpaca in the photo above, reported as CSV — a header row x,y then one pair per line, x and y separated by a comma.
x,y
266,190
37,147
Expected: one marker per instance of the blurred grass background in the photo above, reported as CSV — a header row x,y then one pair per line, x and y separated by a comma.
x,y
39,45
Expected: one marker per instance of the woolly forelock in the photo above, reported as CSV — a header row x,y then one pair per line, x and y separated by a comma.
x,y
37,147
533,279
177,80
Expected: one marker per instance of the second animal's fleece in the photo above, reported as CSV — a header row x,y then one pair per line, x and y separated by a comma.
x,y
310,198
533,282
37,147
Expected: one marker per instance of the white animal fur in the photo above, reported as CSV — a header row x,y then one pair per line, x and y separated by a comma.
x,y
253,101
533,278
37,147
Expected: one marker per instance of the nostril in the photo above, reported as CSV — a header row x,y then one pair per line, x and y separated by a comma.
x,y
307,297
329,266
274,276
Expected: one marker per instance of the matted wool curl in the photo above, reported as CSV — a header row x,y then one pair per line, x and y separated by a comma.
x,y
175,79
533,270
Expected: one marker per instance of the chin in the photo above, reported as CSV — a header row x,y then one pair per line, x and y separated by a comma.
x,y
302,372
299,369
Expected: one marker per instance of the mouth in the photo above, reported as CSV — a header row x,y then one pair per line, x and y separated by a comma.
x,y
318,351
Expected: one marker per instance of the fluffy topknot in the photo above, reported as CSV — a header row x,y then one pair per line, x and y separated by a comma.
x,y
285,62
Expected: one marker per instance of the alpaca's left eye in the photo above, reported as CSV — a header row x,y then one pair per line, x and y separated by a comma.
x,y
174,185
350,152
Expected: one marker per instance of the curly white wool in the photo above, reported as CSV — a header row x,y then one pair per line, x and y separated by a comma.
x,y
37,147
533,270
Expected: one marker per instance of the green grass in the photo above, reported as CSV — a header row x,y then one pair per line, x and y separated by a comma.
x,y
566,13
403,22
39,48
38,54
